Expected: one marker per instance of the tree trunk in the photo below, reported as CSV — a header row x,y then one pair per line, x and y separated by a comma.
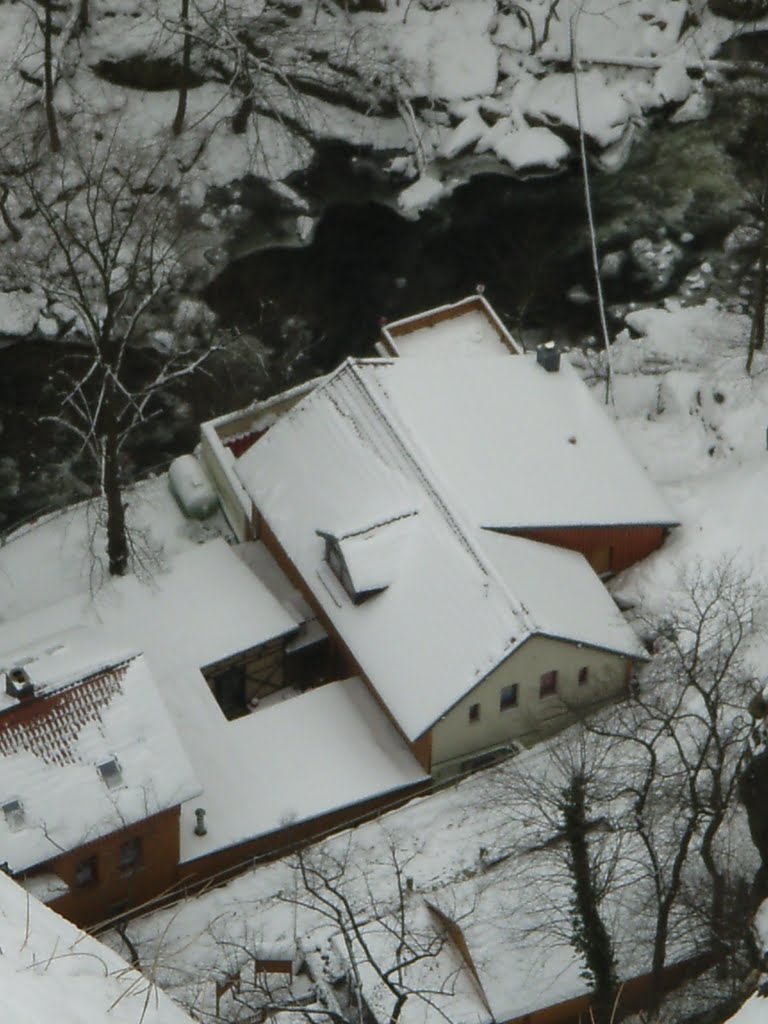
x,y
50,110
591,937
83,17
117,532
186,55
757,331
717,923
6,217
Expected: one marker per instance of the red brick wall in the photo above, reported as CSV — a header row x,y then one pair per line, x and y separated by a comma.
x,y
606,548
157,872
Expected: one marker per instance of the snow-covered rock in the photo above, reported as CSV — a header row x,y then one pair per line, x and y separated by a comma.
x,y
532,149
654,263
19,312
604,110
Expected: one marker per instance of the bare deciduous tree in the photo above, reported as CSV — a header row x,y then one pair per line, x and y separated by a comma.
x,y
681,740
641,797
103,240
557,810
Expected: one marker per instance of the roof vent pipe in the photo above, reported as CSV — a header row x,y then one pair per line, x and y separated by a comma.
x,y
18,684
548,356
200,829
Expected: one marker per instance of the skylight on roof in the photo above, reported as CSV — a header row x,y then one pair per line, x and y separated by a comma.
x,y
111,773
13,812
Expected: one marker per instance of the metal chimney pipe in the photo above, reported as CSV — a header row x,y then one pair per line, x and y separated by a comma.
x,y
200,829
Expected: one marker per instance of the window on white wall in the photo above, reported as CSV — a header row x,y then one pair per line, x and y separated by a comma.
x,y
474,712
583,675
548,684
508,697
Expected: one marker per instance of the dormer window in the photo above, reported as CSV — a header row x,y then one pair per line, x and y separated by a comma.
x,y
335,559
365,560
334,556
111,773
13,812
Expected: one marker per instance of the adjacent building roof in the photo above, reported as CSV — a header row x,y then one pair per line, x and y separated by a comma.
x,y
206,607
52,971
330,748
344,463
90,751
469,327
307,756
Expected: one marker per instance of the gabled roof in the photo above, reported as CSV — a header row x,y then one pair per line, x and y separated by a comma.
x,y
89,753
448,616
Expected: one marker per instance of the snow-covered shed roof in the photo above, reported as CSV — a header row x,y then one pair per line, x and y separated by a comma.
x,y
91,751
206,607
447,617
470,327
500,958
329,748
52,971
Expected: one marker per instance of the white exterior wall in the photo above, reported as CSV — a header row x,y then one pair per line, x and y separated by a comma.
x,y
456,738
218,463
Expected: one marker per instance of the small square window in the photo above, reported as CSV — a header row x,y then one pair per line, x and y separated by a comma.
x,y
583,675
548,684
14,815
474,712
508,697
111,773
130,855
87,872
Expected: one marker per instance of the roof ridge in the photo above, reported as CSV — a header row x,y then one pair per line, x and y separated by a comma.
x,y
453,521
421,473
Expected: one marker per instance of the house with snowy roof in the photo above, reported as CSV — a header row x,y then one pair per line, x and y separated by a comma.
x,y
445,509
92,775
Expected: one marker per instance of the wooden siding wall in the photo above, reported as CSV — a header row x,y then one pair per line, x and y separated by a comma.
x,y
606,548
422,750
157,872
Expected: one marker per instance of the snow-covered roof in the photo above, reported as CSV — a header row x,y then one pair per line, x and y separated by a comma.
x,y
501,958
206,607
447,616
94,752
562,593
470,327
329,748
50,970
521,447
753,1011
209,605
